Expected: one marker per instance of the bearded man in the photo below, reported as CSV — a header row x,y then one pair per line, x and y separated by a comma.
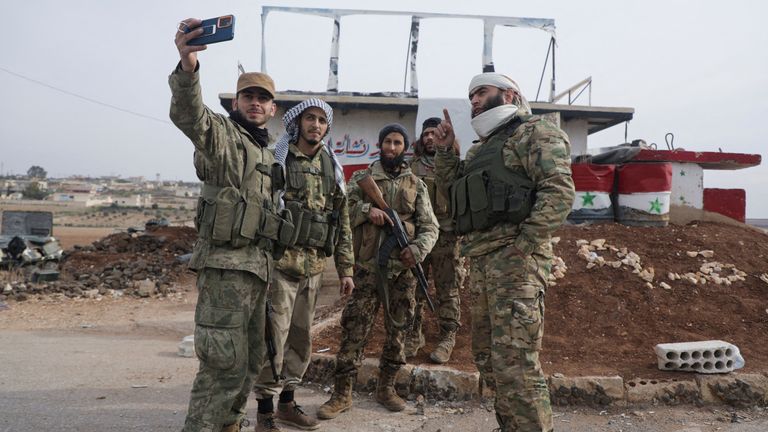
x,y
392,288
512,191
233,259
315,196
443,264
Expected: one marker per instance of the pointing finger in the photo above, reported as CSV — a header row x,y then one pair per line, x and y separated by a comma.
x,y
447,116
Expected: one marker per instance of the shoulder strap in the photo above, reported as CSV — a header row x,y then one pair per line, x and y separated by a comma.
x,y
250,165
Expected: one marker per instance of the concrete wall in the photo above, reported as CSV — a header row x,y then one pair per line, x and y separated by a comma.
x,y
577,134
687,185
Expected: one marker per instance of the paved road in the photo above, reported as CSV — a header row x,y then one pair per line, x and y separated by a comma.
x,y
128,378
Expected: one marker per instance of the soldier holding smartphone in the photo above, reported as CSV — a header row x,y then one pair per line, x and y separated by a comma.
x,y
233,257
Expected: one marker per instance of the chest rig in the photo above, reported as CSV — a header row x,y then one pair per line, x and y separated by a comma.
x,y
314,228
237,217
489,192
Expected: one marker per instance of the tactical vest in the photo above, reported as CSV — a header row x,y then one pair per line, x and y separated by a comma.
x,y
401,194
228,216
440,203
490,193
315,229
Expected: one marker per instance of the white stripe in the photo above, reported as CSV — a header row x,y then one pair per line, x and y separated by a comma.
x,y
647,201
599,200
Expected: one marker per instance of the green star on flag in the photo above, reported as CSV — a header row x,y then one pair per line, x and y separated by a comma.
x,y
588,199
656,206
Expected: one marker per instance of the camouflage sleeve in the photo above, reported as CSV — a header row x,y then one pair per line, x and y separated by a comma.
x,y
199,124
344,256
548,163
426,224
446,166
355,200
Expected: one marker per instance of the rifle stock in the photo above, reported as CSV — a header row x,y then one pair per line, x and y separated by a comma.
x,y
369,188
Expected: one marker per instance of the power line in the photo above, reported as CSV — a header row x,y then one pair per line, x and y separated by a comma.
x,y
85,98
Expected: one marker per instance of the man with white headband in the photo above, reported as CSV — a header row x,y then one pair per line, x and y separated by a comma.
x,y
512,191
315,197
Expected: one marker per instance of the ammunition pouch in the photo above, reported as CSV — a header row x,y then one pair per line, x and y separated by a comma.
x,y
481,200
314,229
226,218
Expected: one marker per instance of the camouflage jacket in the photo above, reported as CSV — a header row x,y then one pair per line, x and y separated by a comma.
x,y
308,261
542,151
424,168
219,160
408,196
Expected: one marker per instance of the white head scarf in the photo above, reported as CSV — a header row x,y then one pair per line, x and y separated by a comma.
x,y
487,122
292,134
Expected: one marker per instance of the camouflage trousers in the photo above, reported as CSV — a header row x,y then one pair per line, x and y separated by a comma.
x,y
507,328
446,269
294,302
359,315
229,342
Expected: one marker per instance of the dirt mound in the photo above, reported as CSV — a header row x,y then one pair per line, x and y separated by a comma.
x,y
606,319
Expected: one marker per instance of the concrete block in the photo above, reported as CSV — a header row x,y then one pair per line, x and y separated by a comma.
x,y
444,383
667,392
187,347
145,288
590,390
706,357
738,390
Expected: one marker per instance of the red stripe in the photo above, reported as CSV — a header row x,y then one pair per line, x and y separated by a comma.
x,y
350,169
645,177
728,202
592,177
708,160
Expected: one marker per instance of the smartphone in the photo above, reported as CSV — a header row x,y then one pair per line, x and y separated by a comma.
x,y
220,29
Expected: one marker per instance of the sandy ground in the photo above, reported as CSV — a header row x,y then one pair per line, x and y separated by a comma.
x,y
87,365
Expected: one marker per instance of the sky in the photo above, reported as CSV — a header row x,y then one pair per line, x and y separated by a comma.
x,y
84,83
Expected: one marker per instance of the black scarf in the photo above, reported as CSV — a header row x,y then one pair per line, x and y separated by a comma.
x,y
261,135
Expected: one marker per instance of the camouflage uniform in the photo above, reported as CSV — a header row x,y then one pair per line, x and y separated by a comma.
x,y
510,264
232,282
443,265
408,196
298,277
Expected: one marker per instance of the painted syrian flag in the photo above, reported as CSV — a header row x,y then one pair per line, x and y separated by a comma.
x,y
644,190
594,184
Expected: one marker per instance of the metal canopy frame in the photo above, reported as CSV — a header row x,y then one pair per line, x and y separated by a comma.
x,y
489,24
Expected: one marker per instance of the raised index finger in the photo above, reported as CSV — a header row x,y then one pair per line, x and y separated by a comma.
x,y
447,116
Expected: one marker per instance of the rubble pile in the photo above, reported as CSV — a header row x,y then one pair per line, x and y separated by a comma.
x,y
558,266
709,271
139,264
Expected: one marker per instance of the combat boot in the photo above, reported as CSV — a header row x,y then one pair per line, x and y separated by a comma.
x,y
291,414
414,337
442,352
265,422
341,399
236,427
385,391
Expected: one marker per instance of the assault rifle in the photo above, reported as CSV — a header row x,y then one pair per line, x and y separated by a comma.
x,y
269,336
398,236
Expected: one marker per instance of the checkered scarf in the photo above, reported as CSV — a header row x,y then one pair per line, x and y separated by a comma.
x,y
292,135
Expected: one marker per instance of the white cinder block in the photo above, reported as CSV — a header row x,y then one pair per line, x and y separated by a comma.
x,y
187,346
703,357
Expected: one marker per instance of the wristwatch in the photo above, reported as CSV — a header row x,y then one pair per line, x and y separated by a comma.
x,y
366,208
